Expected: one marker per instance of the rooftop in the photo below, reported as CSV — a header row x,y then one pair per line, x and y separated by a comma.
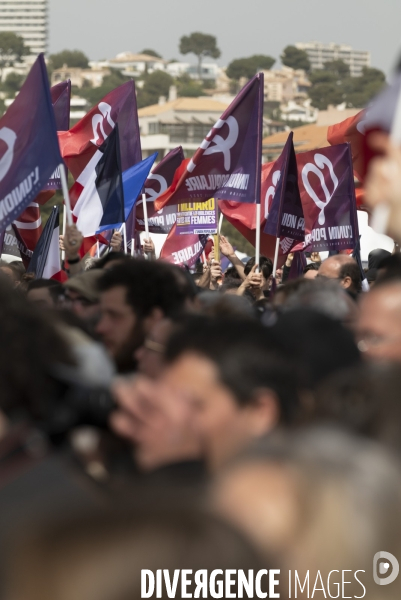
x,y
307,137
183,105
130,57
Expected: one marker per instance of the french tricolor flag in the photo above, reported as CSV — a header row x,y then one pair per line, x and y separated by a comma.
x,y
45,261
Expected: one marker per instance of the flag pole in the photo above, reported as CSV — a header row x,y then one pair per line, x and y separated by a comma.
x,y
276,257
66,194
220,222
216,237
64,226
257,237
97,249
145,215
132,247
125,238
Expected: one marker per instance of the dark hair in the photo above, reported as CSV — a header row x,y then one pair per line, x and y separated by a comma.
x,y
245,355
149,285
31,347
389,269
311,267
365,399
55,288
230,283
15,270
108,258
319,344
351,269
232,273
18,264
265,264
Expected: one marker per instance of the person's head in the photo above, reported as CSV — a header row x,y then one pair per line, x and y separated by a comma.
x,y
379,322
343,268
45,292
389,268
82,295
321,295
12,272
102,556
110,260
239,383
310,271
150,355
232,273
364,399
32,348
317,499
317,343
266,268
133,297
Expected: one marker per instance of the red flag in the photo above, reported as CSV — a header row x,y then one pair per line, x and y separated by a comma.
x,y
227,163
80,145
183,250
351,130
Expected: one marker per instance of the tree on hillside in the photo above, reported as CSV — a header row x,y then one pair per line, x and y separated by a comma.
x,y
360,90
12,49
200,44
156,84
71,58
150,52
12,84
94,94
295,58
334,85
248,67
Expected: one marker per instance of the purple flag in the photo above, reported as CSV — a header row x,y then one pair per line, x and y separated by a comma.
x,y
28,134
326,182
285,217
158,181
297,266
227,165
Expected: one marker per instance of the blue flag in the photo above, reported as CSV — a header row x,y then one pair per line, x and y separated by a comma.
x,y
133,182
28,134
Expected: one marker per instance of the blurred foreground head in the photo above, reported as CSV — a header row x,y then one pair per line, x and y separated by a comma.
x,y
101,557
238,380
318,500
379,322
30,351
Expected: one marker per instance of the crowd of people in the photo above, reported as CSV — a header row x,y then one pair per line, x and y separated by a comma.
x,y
157,418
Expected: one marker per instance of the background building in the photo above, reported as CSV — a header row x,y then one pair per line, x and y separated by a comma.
x,y
319,53
28,19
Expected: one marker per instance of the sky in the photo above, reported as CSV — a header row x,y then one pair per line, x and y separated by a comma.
x,y
102,28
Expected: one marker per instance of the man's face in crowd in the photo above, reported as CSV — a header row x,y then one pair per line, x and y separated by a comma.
x,y
119,327
81,306
41,297
223,424
330,269
379,323
150,355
